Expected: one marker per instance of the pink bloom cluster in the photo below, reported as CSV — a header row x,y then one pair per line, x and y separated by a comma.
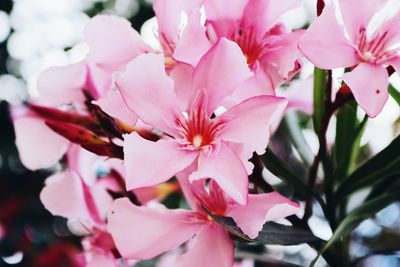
x,y
197,110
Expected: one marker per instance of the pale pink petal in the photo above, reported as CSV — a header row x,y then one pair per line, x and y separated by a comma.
x,y
63,195
149,163
83,162
224,18
357,14
244,153
299,95
33,151
98,258
182,75
392,30
220,72
190,189
63,85
98,80
369,85
260,209
149,92
114,105
212,246
112,41
325,44
144,232
263,14
250,122
283,57
102,199
227,170
219,10
258,84
193,43
169,17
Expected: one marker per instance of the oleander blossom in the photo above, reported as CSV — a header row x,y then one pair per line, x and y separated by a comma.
x,y
220,146
329,44
254,26
148,231
77,195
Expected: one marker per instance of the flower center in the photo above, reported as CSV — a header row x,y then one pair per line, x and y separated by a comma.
x,y
197,140
253,46
200,131
375,50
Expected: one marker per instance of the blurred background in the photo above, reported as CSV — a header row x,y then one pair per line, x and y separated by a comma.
x,y
36,34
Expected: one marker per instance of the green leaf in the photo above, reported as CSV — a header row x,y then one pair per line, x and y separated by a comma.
x,y
382,165
297,137
272,233
348,137
394,93
352,220
278,168
320,79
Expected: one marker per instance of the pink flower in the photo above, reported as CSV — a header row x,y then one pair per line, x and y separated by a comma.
x,y
146,232
329,44
253,25
218,147
85,203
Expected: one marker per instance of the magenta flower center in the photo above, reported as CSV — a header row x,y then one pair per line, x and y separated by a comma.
x,y
377,49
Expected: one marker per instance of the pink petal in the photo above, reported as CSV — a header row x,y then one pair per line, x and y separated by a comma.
x,y
193,43
169,16
357,15
182,75
224,18
227,170
149,92
102,199
112,41
283,57
219,10
63,85
212,246
250,122
149,163
64,186
244,153
114,105
220,72
34,154
98,81
258,84
144,232
325,44
83,162
263,14
370,94
392,30
299,95
98,259
260,209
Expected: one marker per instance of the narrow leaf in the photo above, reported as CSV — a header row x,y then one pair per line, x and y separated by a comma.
x,y
382,165
272,233
277,167
394,93
352,220
348,137
320,80
297,137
